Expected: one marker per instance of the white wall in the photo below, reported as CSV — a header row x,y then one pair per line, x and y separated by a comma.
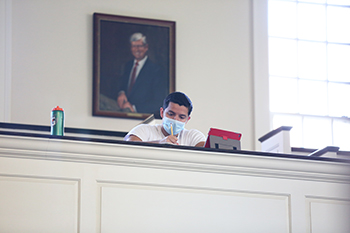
x,y
5,59
54,185
51,60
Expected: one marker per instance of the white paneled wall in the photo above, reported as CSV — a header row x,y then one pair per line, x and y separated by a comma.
x,y
53,185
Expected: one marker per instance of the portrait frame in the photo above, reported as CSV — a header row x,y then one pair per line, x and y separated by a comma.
x,y
112,50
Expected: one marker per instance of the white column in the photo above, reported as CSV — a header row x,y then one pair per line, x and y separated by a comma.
x,y
5,59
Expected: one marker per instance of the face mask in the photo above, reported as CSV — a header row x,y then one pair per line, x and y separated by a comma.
x,y
178,126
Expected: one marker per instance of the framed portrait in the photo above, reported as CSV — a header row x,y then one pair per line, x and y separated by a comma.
x,y
133,65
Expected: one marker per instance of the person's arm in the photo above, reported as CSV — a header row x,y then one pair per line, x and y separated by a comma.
x,y
133,138
200,144
197,138
122,99
123,102
169,139
129,106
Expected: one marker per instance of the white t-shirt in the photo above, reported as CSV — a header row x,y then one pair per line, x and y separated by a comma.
x,y
154,132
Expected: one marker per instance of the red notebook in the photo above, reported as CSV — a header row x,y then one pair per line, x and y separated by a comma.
x,y
223,134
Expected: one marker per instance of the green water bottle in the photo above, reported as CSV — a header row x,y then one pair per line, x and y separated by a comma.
x,y
57,121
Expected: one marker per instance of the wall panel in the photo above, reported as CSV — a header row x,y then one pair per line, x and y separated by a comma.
x,y
328,214
39,204
156,208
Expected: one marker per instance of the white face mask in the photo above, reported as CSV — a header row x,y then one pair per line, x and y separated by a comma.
x,y
178,126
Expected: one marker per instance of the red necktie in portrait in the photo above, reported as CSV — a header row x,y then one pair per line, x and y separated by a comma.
x,y
133,77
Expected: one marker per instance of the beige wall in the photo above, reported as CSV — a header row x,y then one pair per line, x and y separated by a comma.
x,y
48,60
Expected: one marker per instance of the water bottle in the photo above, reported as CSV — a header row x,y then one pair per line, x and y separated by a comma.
x,y
57,121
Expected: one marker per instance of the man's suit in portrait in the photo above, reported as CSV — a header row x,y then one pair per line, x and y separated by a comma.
x,y
150,88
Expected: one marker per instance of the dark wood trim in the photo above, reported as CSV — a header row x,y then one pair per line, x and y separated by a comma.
x,y
274,132
321,152
346,153
87,132
44,128
302,150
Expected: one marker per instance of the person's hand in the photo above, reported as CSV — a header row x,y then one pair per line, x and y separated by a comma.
x,y
171,139
128,105
122,99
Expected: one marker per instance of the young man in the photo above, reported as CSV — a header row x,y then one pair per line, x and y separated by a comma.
x,y
175,113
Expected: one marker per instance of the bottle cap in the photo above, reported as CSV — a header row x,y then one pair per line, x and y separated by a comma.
x,y
57,109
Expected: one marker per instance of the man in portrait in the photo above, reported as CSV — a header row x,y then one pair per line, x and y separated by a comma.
x,y
143,84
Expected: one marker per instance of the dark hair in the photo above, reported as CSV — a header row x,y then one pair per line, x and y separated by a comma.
x,y
180,99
